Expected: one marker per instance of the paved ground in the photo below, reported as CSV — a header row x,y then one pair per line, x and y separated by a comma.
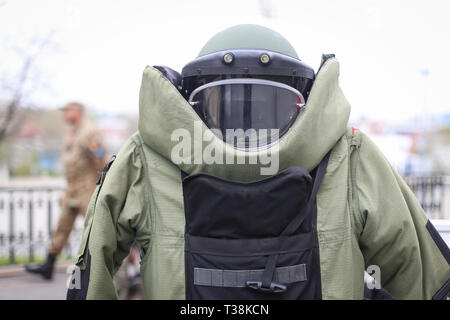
x,y
30,287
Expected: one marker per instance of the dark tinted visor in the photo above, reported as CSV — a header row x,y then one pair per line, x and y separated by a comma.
x,y
263,110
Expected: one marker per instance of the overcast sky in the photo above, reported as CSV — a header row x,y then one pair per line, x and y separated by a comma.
x,y
103,46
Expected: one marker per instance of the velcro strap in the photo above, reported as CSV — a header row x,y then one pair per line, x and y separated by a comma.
x,y
239,278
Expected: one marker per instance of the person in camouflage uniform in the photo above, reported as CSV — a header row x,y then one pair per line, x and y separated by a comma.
x,y
84,157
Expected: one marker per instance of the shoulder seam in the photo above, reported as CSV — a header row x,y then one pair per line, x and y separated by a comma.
x,y
148,201
354,135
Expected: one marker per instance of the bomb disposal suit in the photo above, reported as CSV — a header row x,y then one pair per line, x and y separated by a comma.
x,y
244,182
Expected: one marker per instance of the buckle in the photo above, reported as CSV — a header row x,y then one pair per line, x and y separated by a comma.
x,y
274,286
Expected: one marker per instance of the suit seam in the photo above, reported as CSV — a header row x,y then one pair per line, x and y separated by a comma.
x,y
148,202
354,160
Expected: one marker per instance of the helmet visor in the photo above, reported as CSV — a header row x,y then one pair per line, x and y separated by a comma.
x,y
247,112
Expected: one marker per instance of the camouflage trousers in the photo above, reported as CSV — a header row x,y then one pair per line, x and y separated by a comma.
x,y
65,225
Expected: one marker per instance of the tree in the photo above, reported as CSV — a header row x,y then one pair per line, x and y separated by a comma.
x,y
30,58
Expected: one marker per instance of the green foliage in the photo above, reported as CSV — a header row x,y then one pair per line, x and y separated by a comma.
x,y
4,261
5,151
36,133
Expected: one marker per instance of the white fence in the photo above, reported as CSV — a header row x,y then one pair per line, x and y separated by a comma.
x,y
28,215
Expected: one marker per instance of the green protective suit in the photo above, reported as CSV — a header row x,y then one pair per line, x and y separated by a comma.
x,y
366,213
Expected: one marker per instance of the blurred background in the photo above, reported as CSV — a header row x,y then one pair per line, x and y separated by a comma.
x,y
395,73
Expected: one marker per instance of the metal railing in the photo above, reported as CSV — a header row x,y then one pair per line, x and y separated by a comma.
x,y
28,216
433,194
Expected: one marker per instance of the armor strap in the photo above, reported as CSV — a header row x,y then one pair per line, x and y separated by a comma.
x,y
269,270
240,278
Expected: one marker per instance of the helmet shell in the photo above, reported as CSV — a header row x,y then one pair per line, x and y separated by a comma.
x,y
249,36
247,44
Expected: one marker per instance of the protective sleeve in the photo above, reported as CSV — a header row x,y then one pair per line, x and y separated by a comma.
x,y
395,234
116,217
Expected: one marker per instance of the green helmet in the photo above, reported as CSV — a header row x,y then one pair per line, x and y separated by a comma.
x,y
247,77
249,36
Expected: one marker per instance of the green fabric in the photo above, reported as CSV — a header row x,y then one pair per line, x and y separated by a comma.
x,y
366,213
341,261
163,264
163,110
119,216
248,36
391,228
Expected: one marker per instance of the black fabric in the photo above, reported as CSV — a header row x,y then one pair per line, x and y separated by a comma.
x,y
173,76
376,294
250,247
102,174
81,293
443,293
235,210
439,241
265,224
309,289
296,222
325,57
267,277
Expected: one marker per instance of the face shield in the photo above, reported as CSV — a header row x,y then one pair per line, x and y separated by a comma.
x,y
248,113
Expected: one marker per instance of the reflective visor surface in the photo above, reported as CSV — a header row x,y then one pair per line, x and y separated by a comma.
x,y
264,110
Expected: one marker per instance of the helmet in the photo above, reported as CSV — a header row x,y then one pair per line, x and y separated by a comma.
x,y
248,77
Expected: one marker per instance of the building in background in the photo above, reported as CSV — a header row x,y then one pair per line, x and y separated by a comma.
x,y
33,149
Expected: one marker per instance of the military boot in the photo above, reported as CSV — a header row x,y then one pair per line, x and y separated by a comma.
x,y
45,269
